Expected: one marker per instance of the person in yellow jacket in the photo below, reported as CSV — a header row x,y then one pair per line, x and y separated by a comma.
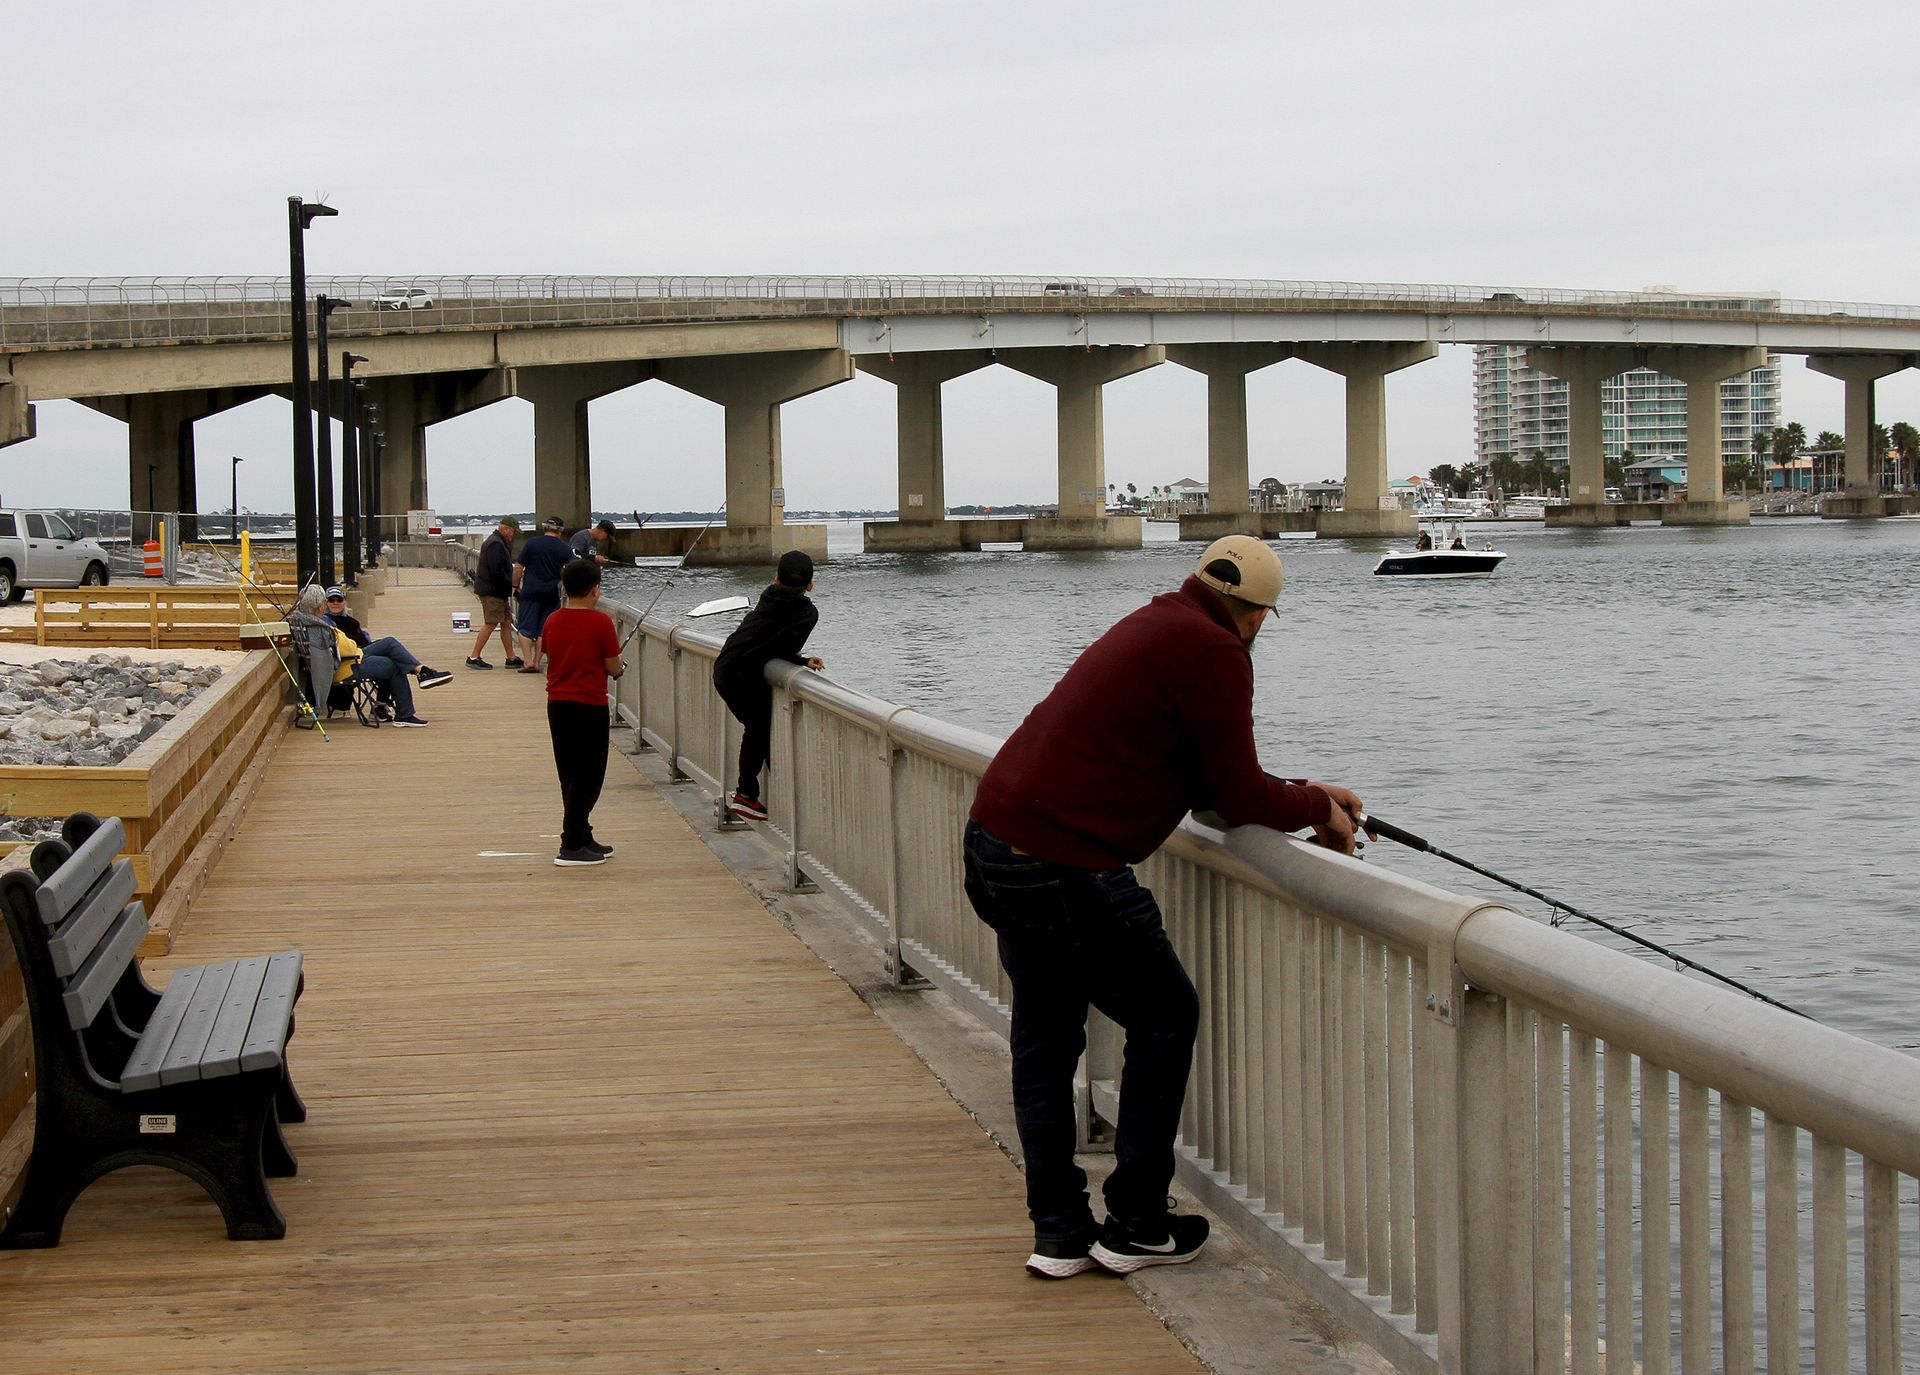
x,y
357,663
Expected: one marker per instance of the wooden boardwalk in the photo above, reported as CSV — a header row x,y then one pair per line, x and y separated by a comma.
x,y
611,1119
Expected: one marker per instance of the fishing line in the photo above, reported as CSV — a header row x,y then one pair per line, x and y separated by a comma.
x,y
1376,826
669,582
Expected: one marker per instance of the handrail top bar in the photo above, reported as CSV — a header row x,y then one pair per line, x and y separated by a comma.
x,y
1842,1088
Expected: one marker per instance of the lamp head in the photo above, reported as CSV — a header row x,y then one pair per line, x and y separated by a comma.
x,y
310,213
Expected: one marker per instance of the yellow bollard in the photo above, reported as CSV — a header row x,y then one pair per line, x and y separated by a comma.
x,y
246,556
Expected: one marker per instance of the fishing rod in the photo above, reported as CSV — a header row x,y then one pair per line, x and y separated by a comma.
x,y
669,582
240,585
1373,825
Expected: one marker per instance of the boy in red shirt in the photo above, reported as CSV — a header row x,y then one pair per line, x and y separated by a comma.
x,y
583,651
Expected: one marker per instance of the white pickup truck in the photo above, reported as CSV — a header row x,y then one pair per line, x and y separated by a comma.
x,y
39,549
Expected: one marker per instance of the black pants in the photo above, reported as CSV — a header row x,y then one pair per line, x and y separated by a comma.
x,y
579,731
1070,939
752,706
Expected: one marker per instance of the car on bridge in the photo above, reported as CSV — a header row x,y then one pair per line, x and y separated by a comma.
x,y
404,298
39,549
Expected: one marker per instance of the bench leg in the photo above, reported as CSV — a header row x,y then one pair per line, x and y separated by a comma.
x,y
287,1101
44,1202
232,1165
276,1157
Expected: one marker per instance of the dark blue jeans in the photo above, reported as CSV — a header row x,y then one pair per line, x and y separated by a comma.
x,y
1070,939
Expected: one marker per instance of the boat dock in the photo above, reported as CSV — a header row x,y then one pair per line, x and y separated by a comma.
x,y
615,1119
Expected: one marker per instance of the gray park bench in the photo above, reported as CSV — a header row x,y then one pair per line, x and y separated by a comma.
x,y
193,1078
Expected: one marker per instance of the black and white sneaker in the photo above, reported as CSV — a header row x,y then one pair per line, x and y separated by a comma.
x,y
408,721
596,845
578,859
433,677
1169,1239
475,663
1059,1258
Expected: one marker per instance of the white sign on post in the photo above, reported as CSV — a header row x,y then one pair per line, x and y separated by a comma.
x,y
779,496
422,523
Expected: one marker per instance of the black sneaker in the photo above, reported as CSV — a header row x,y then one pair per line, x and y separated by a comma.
x,y
577,859
433,677
1059,1258
747,808
515,662
477,663
382,712
596,845
1169,1239
408,721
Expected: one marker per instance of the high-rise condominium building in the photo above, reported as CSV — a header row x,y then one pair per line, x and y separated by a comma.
x,y
1521,412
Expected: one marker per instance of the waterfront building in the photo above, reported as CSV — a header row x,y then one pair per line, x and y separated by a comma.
x,y
1520,411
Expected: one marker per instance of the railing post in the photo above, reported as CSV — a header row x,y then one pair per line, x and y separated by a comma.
x,y
898,970
797,881
673,703
1469,1084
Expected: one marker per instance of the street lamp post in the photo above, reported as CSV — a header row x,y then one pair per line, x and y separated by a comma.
x,y
306,545
370,480
327,305
350,466
233,526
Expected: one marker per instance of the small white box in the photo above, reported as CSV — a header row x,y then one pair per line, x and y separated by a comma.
x,y
462,622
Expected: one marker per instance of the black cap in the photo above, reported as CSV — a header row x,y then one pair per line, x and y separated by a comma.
x,y
796,568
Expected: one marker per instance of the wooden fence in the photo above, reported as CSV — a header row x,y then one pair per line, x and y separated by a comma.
x,y
180,793
155,616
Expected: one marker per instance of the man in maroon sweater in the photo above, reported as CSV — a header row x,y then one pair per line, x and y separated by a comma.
x,y
1153,721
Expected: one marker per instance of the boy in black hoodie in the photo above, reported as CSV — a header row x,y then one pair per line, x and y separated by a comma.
x,y
776,628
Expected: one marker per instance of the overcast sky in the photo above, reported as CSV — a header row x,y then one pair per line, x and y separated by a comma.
x,y
1751,147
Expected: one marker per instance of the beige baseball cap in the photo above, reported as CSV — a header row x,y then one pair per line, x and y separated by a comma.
x,y
1259,576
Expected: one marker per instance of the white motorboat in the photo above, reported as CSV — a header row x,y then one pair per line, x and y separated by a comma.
x,y
1438,563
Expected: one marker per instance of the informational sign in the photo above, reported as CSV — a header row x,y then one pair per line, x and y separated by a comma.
x,y
779,496
1093,498
421,523
916,499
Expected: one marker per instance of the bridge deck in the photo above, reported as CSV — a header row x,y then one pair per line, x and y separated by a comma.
x,y
612,1119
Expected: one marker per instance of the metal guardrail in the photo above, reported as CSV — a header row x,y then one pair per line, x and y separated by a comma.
x,y
1460,1129
80,312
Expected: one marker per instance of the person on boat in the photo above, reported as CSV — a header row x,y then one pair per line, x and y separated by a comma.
x,y
1425,542
1153,720
1456,542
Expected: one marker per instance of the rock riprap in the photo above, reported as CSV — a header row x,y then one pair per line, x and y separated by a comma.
x,y
87,713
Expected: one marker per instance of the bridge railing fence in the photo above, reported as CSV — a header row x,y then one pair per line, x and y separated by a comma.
x,y
1486,1143
80,312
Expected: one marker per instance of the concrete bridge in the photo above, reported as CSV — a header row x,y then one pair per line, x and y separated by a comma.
x,y
161,353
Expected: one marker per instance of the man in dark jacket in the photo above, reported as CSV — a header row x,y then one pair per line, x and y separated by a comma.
x,y
776,628
493,585
1154,720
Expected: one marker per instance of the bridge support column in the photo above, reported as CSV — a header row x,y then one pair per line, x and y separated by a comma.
x,y
1703,369
753,387
562,467
1862,499
160,453
1585,371
407,406
1229,501
917,378
1078,374
16,415
1369,511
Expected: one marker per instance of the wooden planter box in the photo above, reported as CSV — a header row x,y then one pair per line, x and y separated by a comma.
x,y
153,616
179,794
